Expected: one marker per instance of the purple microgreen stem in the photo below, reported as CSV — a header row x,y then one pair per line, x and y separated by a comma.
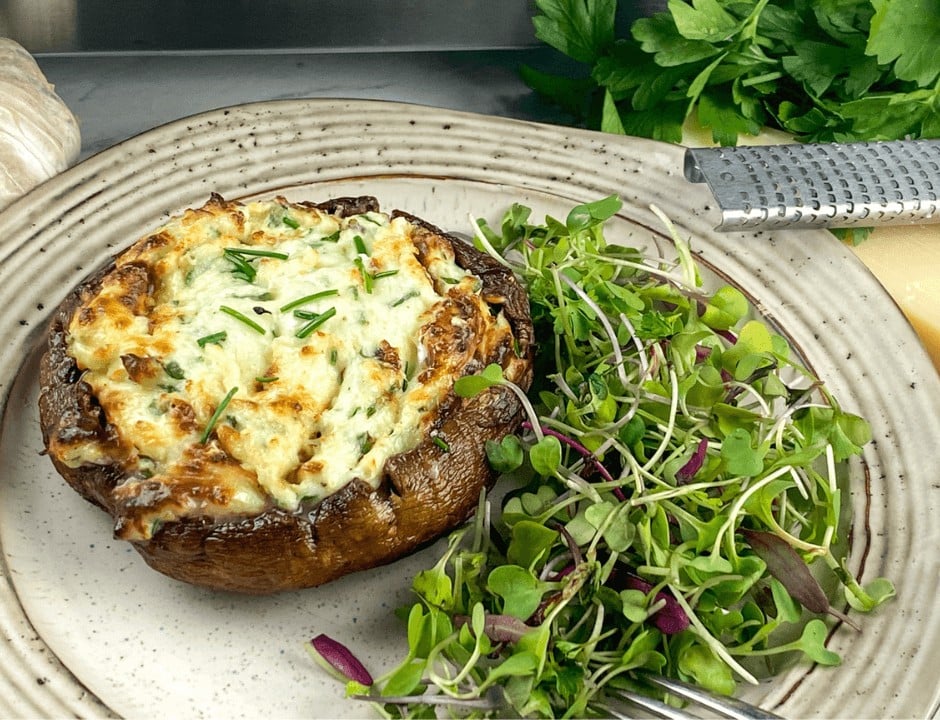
x,y
687,471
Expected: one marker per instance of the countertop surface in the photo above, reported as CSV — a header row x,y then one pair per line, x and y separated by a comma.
x,y
116,96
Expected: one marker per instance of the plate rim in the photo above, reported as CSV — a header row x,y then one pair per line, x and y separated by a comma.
x,y
58,189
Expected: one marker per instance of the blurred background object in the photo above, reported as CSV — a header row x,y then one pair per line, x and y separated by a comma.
x,y
40,25
66,26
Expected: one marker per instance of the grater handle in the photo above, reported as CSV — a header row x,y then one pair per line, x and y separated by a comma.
x,y
821,185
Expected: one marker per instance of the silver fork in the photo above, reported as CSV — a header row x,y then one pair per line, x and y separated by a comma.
x,y
696,700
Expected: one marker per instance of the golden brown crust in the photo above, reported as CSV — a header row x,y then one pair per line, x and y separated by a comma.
x,y
421,494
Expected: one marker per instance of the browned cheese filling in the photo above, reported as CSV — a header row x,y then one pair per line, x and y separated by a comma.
x,y
265,354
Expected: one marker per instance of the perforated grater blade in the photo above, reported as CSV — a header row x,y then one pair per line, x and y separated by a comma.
x,y
821,185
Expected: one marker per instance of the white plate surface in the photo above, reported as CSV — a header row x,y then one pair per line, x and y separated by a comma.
x,y
86,629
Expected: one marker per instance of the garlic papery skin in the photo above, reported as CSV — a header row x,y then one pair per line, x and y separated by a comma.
x,y
39,135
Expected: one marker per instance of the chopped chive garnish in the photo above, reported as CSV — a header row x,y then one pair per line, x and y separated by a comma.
x,y
315,323
266,378
308,298
333,356
439,441
450,280
217,414
241,317
243,268
405,297
306,314
290,222
367,218
256,252
370,411
366,276
384,273
214,338
360,245
333,237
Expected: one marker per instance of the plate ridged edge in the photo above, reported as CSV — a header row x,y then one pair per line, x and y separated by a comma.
x,y
799,279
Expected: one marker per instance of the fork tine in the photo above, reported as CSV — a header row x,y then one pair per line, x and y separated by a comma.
x,y
651,707
723,706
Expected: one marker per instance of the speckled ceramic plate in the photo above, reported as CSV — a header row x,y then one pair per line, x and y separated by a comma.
x,y
86,629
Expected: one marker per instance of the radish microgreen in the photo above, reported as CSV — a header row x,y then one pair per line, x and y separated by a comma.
x,y
672,498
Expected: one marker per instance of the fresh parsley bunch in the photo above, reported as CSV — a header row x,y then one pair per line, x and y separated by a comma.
x,y
822,70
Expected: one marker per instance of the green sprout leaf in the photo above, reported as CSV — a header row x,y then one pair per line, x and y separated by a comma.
x,y
519,589
472,385
545,455
506,455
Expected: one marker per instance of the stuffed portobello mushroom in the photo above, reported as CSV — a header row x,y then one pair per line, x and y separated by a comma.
x,y
260,393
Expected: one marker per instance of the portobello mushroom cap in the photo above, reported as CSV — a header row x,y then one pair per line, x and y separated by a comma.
x,y
421,493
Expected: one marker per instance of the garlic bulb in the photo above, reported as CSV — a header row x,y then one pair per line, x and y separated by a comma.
x,y
39,136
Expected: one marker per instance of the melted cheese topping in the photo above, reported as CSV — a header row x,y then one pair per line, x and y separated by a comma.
x,y
269,353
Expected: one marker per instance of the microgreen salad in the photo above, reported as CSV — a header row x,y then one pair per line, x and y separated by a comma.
x,y
673,503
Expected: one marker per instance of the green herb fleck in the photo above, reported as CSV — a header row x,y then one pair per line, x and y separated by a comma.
x,y
256,253
307,299
217,414
173,369
315,322
241,317
241,258
213,339
406,297
366,276
243,269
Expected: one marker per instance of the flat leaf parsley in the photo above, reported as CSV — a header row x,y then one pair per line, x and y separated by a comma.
x,y
823,71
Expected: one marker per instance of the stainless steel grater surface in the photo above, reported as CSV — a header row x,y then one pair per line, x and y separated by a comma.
x,y
821,185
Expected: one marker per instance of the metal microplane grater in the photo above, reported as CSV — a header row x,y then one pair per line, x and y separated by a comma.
x,y
821,185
